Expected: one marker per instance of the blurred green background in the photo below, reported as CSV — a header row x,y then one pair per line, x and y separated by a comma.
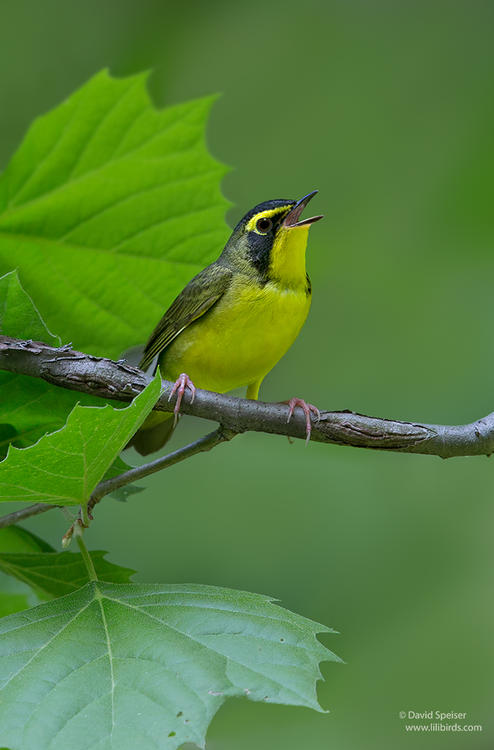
x,y
388,109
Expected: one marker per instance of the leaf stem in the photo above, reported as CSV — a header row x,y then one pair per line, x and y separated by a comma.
x,y
91,571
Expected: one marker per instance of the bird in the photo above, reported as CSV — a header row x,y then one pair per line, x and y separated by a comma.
x,y
236,318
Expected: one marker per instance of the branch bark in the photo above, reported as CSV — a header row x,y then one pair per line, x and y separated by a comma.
x,y
102,377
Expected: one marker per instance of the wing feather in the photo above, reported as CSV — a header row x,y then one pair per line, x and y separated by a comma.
x,y
200,294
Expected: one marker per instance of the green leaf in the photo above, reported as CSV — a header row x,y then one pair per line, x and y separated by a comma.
x,y
16,595
59,573
147,666
64,467
11,601
119,466
29,407
122,494
16,539
18,315
108,208
28,558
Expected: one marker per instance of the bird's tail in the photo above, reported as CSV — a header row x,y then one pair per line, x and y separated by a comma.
x,y
158,427
154,433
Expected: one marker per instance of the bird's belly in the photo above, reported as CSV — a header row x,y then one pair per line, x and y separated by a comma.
x,y
240,340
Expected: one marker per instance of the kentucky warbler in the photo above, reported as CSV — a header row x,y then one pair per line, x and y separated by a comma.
x,y
235,320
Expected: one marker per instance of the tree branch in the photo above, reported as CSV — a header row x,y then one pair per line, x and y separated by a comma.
x,y
117,380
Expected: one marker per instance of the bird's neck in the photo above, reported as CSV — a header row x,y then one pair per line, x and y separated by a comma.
x,y
287,262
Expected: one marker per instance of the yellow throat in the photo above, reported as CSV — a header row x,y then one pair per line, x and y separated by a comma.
x,y
288,256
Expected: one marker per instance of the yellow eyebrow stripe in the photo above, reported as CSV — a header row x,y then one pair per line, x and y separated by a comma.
x,y
268,214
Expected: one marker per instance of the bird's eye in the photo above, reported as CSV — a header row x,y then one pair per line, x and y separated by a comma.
x,y
264,225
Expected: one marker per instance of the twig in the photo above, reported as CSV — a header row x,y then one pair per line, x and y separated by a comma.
x,y
20,515
201,445
107,486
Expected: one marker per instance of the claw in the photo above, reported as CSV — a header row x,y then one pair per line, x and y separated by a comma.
x,y
308,409
183,381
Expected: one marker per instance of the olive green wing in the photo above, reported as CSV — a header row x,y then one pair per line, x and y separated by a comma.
x,y
197,298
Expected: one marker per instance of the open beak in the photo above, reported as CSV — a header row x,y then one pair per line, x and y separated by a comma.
x,y
292,218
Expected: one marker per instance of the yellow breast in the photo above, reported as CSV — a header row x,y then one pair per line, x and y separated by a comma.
x,y
241,338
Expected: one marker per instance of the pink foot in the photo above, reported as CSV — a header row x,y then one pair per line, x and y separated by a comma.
x,y
183,381
308,409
